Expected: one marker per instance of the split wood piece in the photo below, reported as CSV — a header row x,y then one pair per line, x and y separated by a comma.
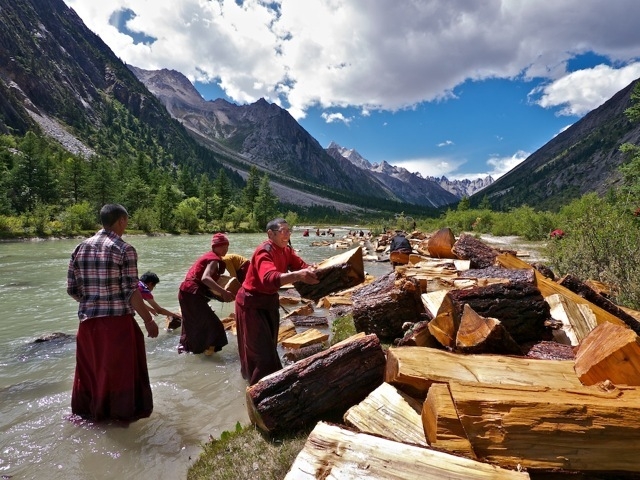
x,y
441,424
303,352
332,452
610,352
171,322
228,283
577,319
419,336
308,320
399,258
518,305
229,322
440,243
549,287
285,300
386,413
414,369
582,429
330,300
577,286
306,338
479,334
476,251
385,305
432,301
335,273
323,385
306,309
286,330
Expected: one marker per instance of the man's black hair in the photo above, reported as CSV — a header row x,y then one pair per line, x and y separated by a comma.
x,y
111,213
274,224
149,277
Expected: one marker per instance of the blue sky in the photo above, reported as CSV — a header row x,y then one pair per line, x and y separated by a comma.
x,y
458,88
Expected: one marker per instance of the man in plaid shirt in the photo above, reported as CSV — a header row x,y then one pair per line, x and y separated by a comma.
x,y
111,378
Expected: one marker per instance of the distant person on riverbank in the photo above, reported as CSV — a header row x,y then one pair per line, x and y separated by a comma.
x,y
202,330
147,283
272,265
111,379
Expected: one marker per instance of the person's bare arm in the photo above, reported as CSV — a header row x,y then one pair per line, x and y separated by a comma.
x,y
207,279
141,309
158,309
306,275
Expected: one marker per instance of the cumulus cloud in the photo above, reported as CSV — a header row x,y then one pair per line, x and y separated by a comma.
x,y
375,54
336,117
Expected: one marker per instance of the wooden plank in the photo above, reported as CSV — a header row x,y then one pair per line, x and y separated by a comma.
x,y
583,429
415,369
334,453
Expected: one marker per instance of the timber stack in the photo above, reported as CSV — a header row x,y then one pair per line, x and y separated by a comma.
x,y
491,369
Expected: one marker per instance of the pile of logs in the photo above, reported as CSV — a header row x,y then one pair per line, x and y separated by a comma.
x,y
494,371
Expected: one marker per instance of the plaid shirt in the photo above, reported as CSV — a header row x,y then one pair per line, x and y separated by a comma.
x,y
102,276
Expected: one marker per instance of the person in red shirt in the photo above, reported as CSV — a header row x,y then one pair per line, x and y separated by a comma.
x,y
273,264
202,330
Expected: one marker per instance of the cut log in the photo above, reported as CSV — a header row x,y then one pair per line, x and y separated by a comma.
x,y
432,301
518,305
577,319
399,258
494,272
479,334
286,330
584,429
481,255
441,424
336,273
306,338
419,336
414,369
303,352
306,309
546,350
610,352
440,243
386,413
549,287
323,385
385,305
577,286
333,453
308,320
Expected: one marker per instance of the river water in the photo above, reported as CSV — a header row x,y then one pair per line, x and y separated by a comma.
x,y
195,397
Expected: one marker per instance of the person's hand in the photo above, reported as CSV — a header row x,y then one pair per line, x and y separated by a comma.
x,y
228,296
152,328
308,275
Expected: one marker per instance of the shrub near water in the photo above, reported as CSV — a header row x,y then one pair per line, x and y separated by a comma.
x,y
601,243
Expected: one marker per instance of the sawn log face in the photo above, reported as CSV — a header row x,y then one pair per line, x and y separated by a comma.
x,y
325,384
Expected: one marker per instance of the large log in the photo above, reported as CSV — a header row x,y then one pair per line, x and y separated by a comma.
x,y
479,253
335,273
334,453
414,369
518,305
387,413
610,352
549,287
385,305
323,385
584,429
585,291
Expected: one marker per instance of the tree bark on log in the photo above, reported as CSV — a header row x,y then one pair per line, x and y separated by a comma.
x,y
325,384
580,288
414,369
336,273
333,453
584,429
385,305
518,305
479,253
610,352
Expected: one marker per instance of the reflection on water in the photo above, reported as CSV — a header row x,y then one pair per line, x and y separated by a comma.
x,y
195,397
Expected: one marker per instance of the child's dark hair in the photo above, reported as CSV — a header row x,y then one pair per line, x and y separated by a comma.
x,y
149,277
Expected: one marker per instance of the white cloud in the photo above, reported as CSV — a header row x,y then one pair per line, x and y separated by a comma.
x,y
501,165
582,91
446,143
336,117
430,167
375,54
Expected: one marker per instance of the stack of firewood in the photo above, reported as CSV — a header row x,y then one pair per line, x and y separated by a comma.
x,y
496,371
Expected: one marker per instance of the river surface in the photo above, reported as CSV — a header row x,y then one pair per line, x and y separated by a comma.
x,y
195,397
